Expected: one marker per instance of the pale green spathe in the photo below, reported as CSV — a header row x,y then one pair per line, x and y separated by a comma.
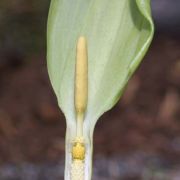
x,y
118,33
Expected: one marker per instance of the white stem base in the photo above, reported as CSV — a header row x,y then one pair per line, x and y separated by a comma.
x,y
76,168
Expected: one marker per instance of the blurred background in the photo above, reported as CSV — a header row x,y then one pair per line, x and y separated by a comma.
x,y
139,139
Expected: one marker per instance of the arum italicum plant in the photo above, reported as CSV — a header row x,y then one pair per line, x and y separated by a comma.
x,y
94,46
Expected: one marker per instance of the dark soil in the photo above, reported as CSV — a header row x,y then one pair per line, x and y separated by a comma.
x,y
147,119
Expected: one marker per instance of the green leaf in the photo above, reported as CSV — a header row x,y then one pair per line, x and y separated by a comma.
x,y
118,33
